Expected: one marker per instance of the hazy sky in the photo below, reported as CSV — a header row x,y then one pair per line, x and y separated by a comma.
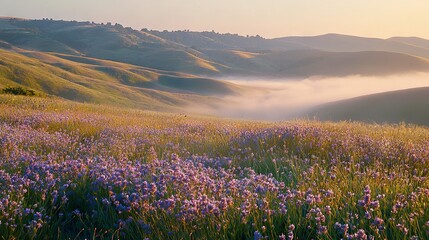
x,y
268,18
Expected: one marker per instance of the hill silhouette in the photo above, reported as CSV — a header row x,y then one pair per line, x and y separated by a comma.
x,y
345,43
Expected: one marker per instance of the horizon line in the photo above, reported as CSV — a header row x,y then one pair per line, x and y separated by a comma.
x,y
203,31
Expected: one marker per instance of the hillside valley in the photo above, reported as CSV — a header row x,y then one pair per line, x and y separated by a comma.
x,y
179,70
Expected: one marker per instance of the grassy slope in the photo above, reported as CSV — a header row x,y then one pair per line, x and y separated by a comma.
x,y
106,81
99,81
410,106
106,42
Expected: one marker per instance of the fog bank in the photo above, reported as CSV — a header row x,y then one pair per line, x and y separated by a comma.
x,y
284,99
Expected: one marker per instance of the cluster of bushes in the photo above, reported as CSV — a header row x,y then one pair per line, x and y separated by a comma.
x,y
18,91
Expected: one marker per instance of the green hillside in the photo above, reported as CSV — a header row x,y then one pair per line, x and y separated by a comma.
x,y
111,42
106,82
410,106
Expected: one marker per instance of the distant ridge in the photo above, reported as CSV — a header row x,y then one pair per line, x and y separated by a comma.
x,y
347,43
210,54
414,41
308,63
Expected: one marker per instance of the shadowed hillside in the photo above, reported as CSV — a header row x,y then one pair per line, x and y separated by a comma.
x,y
307,63
410,106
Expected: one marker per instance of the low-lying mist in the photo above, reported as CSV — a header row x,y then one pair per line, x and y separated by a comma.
x,y
283,99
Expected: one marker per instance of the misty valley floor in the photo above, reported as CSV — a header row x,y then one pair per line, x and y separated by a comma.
x,y
286,99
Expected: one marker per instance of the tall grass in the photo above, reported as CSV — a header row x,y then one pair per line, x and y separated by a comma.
x,y
75,171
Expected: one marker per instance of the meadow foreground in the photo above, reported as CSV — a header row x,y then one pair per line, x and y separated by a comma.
x,y
76,171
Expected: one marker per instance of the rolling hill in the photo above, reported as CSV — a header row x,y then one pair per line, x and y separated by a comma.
x,y
308,63
110,42
325,55
409,105
107,82
112,64
210,54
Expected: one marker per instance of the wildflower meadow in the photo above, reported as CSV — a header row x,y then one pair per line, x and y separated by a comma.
x,y
81,171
